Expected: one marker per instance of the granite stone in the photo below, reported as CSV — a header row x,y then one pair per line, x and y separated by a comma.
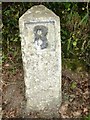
x,y
41,55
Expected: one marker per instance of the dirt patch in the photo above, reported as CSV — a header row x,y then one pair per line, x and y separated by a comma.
x,y
75,92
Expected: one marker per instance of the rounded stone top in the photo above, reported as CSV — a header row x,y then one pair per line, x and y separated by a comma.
x,y
38,12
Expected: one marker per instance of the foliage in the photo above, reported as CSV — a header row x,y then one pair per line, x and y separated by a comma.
x,y
75,37
74,19
87,117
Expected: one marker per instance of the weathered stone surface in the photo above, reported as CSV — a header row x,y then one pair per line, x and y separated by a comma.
x,y
41,54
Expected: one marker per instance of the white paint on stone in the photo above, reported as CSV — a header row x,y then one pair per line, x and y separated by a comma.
x,y
41,54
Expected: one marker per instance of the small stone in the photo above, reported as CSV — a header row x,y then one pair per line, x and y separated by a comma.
x,y
6,65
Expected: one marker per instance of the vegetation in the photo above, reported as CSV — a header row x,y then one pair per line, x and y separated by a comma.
x,y
75,30
75,40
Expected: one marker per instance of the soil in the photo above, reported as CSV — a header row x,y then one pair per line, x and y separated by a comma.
x,y
75,92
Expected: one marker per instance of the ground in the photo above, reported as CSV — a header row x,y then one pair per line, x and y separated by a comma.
x,y
75,92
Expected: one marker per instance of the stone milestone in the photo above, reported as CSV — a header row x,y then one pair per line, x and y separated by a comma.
x,y
41,55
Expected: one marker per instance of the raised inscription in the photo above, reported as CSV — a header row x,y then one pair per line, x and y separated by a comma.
x,y
40,34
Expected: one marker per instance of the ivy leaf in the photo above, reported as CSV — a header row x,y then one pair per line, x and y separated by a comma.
x,y
74,43
73,85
